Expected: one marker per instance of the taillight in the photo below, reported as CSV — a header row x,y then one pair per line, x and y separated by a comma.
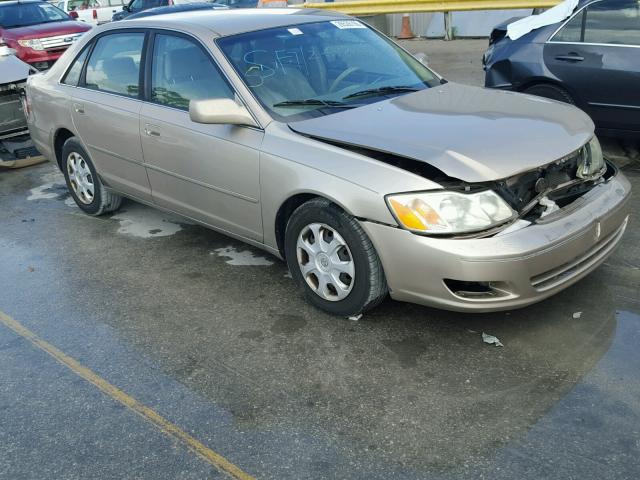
x,y
95,14
73,14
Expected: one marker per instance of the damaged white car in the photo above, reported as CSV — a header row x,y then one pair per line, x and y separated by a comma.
x,y
16,147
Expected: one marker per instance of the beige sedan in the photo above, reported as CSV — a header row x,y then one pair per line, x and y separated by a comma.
x,y
316,138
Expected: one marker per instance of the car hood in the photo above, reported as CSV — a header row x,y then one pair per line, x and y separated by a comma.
x,y
470,133
45,30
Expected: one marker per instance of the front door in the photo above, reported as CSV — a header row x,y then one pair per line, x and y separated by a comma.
x,y
207,172
598,54
106,112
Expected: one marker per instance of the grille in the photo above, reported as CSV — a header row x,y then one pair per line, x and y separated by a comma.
x,y
558,275
59,42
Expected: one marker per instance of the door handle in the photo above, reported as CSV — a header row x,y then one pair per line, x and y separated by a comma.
x,y
151,130
79,108
572,57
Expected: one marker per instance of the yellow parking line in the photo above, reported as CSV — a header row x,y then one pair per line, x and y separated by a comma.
x,y
131,403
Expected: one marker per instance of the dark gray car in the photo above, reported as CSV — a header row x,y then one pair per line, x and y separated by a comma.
x,y
591,59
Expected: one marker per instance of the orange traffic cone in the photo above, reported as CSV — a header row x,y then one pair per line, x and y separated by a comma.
x,y
406,33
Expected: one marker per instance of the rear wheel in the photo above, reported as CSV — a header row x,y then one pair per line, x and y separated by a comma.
x,y
333,260
550,91
83,181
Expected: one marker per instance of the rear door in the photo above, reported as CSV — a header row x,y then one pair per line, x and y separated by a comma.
x,y
106,110
597,55
206,172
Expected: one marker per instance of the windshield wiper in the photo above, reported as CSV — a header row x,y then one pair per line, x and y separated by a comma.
x,y
312,102
383,90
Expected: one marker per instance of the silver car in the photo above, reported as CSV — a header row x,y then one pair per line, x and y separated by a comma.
x,y
314,137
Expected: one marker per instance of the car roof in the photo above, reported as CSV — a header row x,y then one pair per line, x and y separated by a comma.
x,y
233,21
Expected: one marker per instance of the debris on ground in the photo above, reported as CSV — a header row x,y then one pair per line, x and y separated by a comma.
x,y
355,318
577,314
491,340
30,269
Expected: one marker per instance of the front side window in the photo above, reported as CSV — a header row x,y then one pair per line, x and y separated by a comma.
x,y
315,69
18,15
73,75
181,71
616,22
114,65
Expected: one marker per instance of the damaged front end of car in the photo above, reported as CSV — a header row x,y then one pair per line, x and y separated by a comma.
x,y
493,207
555,187
546,193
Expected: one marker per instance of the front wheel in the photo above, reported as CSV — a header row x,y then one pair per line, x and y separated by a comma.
x,y
333,260
83,181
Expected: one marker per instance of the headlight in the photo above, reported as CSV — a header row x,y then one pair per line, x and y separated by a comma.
x,y
449,212
33,43
591,163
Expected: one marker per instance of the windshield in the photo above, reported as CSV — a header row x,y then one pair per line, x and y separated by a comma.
x,y
316,69
26,14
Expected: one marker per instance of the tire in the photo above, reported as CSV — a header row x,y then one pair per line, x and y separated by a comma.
x,y
365,288
553,92
85,186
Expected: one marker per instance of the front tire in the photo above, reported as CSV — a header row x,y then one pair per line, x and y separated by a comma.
x,y
332,259
83,181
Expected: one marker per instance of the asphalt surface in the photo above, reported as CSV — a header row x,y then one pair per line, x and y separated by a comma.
x,y
209,334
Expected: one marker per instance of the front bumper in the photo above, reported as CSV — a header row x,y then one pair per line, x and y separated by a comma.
x,y
522,267
40,59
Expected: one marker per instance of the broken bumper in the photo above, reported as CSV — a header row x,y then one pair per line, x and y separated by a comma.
x,y
512,270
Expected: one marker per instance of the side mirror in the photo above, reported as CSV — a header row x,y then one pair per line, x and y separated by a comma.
x,y
126,8
422,58
220,111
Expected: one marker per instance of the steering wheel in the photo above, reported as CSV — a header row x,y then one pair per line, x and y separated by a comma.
x,y
340,78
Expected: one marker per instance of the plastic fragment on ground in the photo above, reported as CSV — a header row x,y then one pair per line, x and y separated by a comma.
x,y
491,340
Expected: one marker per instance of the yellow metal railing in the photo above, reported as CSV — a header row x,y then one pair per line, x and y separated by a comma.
x,y
377,7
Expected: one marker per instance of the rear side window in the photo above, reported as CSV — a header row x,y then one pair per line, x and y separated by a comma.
x,y
73,75
181,71
114,65
613,22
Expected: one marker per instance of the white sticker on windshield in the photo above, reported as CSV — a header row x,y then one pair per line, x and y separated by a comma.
x,y
343,24
295,31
